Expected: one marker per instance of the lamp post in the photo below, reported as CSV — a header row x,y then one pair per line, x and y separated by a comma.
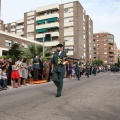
x,y
43,44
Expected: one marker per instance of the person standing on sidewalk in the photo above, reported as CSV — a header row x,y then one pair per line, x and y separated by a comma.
x,y
78,69
58,68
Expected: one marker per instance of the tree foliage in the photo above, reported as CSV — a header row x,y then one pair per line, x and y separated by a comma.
x,y
97,62
14,52
36,50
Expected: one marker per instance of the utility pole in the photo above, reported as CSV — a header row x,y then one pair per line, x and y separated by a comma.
x,y
43,44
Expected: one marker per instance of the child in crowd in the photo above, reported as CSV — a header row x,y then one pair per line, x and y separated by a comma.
x,y
4,79
15,75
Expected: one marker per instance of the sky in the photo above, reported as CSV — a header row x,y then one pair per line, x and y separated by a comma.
x,y
104,13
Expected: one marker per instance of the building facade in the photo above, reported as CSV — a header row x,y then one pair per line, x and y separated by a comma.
x,y
103,47
115,53
66,23
8,39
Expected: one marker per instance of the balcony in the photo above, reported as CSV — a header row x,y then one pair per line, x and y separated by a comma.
x,y
50,20
20,21
68,5
20,27
49,7
68,14
30,22
111,51
12,30
30,30
68,24
47,16
47,25
111,55
53,34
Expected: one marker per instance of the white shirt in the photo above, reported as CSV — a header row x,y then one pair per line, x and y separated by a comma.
x,y
19,64
4,76
59,52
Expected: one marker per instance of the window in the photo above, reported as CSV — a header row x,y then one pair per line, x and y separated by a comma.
x,y
8,43
105,48
105,61
110,40
30,34
90,56
83,36
30,18
67,20
105,57
68,10
6,28
84,45
12,27
30,26
84,54
105,44
19,30
105,52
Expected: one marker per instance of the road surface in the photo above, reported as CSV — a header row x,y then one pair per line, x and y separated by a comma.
x,y
94,98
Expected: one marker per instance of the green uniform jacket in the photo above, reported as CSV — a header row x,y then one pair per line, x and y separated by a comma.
x,y
56,58
77,66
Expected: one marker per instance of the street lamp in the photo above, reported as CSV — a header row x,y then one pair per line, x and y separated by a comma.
x,y
43,44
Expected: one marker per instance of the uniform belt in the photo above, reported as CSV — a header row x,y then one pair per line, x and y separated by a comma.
x,y
36,63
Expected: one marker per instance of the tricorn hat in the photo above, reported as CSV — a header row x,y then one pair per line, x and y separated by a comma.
x,y
59,45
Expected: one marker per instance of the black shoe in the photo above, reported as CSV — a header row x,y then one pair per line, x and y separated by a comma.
x,y
58,95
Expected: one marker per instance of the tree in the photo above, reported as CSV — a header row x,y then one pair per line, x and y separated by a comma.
x,y
36,50
97,62
14,52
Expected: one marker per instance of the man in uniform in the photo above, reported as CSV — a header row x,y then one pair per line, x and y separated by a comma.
x,y
58,68
78,69
94,70
35,68
88,70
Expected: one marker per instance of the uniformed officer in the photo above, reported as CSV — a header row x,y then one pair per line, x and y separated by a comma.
x,y
88,70
94,70
78,69
35,68
58,68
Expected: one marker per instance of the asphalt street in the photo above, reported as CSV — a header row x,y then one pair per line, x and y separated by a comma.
x,y
94,98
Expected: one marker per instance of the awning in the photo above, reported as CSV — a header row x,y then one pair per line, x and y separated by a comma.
x,y
41,30
39,39
40,21
51,28
52,19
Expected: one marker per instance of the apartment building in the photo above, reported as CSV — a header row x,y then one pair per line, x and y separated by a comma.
x,y
66,23
103,47
115,53
89,39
